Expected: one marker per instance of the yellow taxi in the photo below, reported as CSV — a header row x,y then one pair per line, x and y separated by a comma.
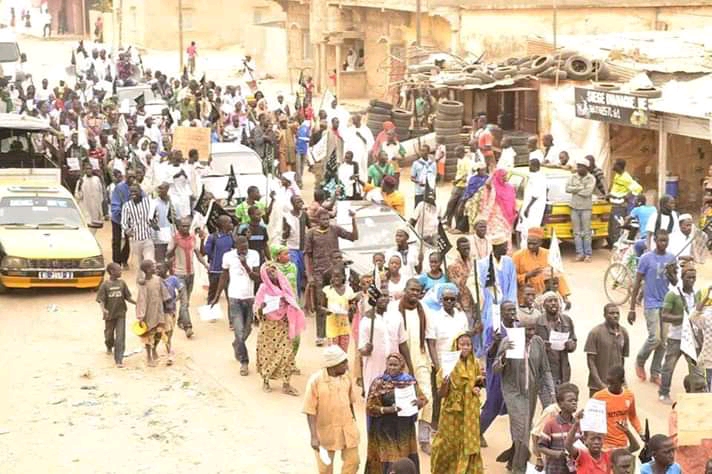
x,y
557,216
44,240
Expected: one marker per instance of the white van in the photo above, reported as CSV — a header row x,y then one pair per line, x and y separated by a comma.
x,y
11,59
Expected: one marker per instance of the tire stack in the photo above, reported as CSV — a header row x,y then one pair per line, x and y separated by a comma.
x,y
448,132
401,119
378,112
519,143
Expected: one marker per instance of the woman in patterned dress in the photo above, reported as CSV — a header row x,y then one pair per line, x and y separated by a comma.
x,y
282,321
391,437
456,448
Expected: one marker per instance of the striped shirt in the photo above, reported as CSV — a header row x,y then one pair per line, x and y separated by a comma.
x,y
137,217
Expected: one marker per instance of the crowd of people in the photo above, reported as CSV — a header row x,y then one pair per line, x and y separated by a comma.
x,y
437,341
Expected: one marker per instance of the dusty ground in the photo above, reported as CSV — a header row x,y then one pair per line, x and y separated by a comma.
x,y
65,408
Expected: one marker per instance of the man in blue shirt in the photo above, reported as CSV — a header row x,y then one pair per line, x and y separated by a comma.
x,y
217,245
642,211
656,270
302,146
423,169
120,195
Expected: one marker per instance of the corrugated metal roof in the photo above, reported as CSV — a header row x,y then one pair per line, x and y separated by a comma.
x,y
689,98
688,51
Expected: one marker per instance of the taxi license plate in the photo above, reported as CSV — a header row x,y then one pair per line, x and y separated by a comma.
x,y
56,275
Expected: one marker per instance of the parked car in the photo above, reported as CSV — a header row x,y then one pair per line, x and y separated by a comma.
x,y
246,164
557,215
44,240
377,226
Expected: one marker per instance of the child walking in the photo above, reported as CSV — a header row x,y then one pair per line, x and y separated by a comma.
x,y
149,309
174,286
112,297
340,299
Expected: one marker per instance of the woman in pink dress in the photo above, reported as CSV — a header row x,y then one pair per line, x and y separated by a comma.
x,y
498,204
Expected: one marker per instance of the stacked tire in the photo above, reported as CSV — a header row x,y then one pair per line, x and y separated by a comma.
x,y
520,144
401,119
448,132
378,112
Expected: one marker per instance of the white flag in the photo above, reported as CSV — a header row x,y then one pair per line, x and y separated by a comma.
x,y
687,341
82,134
555,254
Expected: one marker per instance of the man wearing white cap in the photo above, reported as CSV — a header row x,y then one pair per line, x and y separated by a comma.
x,y
329,405
581,185
689,242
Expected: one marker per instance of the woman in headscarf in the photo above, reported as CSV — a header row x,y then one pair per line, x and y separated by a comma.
x,y
456,448
282,321
498,204
390,436
280,253
394,277
469,205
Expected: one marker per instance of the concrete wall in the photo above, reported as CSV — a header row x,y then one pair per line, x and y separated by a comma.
x,y
504,32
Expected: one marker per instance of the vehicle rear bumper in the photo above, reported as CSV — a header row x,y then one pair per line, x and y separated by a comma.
x,y
18,281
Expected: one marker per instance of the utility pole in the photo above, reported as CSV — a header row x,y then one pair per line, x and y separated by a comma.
x,y
180,34
554,24
417,23
121,23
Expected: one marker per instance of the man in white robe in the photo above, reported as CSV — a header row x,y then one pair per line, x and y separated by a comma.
x,y
90,196
177,175
359,140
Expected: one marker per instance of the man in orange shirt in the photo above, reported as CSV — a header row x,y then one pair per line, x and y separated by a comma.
x,y
620,406
532,264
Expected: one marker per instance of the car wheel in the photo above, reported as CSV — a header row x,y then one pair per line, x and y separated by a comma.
x,y
379,111
380,104
600,70
378,117
505,71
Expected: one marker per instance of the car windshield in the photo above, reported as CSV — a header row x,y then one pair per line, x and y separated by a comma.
x,y
9,52
376,232
39,211
557,189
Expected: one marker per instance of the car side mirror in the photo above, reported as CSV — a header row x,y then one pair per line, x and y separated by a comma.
x,y
23,58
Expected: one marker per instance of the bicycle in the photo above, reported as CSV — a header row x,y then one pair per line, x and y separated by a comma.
x,y
619,279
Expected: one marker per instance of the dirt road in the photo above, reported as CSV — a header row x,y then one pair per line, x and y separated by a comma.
x,y
65,408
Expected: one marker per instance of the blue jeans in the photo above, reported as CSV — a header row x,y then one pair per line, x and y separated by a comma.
x,y
297,256
241,314
672,355
184,298
708,374
581,224
655,343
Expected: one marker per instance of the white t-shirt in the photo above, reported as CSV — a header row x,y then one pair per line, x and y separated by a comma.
x,y
664,222
506,159
241,285
443,328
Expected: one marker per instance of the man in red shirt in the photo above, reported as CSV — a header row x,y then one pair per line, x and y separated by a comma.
x,y
192,53
592,459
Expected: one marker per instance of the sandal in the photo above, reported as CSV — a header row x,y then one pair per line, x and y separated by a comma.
x,y
265,387
289,390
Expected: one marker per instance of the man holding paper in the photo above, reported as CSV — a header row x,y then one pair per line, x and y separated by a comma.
x,y
557,331
329,405
525,373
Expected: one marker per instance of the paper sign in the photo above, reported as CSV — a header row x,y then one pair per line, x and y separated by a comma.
x,y
337,309
518,337
558,340
404,400
324,456
164,234
531,469
187,138
271,304
594,417
496,317
448,361
94,163
73,164
694,410
210,313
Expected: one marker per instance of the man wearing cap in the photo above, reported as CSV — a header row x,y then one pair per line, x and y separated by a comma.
x,y
532,264
581,185
534,202
329,401
689,243
498,283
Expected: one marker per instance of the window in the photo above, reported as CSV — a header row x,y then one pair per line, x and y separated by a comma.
x,y
306,45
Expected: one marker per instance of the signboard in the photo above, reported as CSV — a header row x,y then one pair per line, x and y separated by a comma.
x,y
694,410
187,138
612,107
